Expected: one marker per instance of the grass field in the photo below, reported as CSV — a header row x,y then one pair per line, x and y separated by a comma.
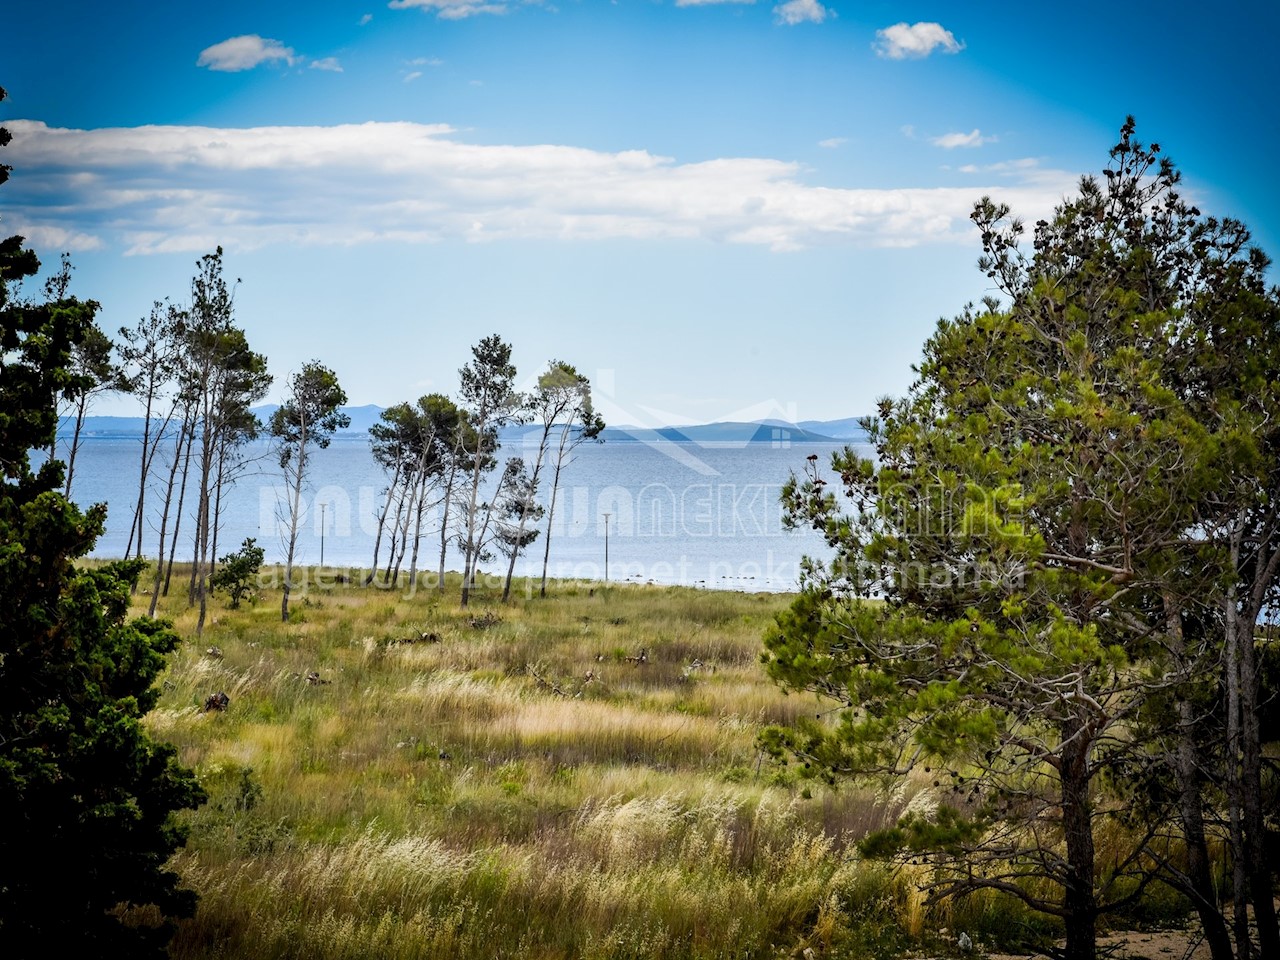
x,y
576,776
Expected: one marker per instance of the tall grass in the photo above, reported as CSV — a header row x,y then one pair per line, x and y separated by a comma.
x,y
520,785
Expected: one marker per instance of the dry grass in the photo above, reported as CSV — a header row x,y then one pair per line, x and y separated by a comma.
x,y
516,786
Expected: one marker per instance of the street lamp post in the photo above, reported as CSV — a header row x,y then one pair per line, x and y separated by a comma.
x,y
606,548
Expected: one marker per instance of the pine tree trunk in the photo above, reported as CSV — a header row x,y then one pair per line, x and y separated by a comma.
x,y
1256,862
551,516
75,444
1233,786
1199,874
382,524
444,527
164,522
1199,864
136,528
1079,900
295,506
189,431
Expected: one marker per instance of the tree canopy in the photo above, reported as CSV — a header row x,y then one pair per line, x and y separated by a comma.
x,y
86,797
1039,556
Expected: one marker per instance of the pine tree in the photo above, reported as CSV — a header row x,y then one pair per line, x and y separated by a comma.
x,y
86,797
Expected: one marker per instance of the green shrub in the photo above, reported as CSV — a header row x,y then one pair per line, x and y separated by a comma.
x,y
237,571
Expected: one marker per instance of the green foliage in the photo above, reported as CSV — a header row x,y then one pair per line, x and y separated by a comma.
x,y
238,570
86,797
310,413
1006,569
308,418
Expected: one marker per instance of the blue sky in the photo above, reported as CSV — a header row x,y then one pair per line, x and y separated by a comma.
x,y
717,210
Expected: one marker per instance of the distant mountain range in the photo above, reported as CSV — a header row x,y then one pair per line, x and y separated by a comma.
x,y
728,433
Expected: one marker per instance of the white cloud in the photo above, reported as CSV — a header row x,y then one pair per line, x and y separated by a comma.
x,y
366,19
705,3
832,142
1026,170
412,75
51,238
327,63
159,189
450,9
800,11
244,53
426,62
903,41
973,138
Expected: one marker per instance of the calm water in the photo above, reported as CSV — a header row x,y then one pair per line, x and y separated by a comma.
x,y
681,513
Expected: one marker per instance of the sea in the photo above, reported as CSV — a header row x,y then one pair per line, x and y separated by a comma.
x,y
665,512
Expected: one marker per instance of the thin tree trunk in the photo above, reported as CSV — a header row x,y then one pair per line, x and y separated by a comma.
x,y
444,521
190,435
382,523
551,516
417,532
511,564
217,513
199,569
81,407
394,545
471,548
294,507
144,470
202,508
404,519
421,483
164,521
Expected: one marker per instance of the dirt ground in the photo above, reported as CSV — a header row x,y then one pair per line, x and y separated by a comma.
x,y
1159,945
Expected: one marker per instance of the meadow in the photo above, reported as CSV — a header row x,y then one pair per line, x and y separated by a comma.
x,y
575,776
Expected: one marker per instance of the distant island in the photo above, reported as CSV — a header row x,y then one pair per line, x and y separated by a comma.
x,y
726,432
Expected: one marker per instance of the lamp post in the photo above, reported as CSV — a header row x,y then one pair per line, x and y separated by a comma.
x,y
606,548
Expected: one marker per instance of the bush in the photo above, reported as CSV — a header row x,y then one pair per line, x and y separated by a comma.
x,y
237,571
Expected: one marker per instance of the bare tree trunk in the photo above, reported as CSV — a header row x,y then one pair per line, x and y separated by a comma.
x,y
295,507
444,525
144,470
196,551
404,518
199,569
393,546
81,407
511,564
217,512
382,523
471,548
164,521
417,531
189,432
551,513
